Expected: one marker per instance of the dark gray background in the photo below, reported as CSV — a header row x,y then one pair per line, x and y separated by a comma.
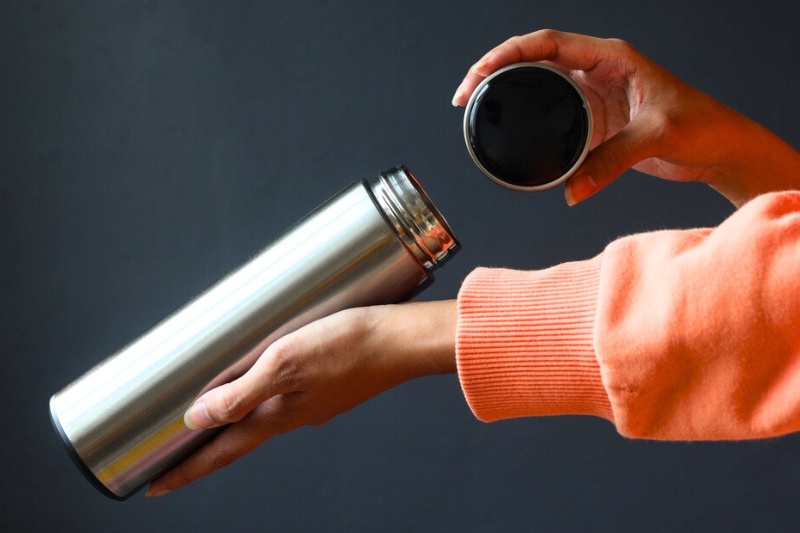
x,y
147,148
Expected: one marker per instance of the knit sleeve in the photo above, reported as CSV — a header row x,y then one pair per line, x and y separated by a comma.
x,y
677,335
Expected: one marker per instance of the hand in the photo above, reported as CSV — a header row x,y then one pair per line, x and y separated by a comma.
x,y
315,373
646,118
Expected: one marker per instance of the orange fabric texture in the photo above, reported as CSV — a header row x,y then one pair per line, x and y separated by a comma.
x,y
672,335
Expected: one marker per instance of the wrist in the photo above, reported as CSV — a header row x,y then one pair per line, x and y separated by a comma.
x,y
757,162
418,338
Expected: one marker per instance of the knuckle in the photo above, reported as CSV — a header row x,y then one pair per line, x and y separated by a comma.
x,y
286,365
548,34
662,125
516,46
621,46
228,407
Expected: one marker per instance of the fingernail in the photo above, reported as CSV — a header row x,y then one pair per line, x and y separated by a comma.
x,y
579,189
197,417
155,492
457,96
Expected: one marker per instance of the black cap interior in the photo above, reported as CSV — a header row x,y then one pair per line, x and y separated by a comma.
x,y
527,126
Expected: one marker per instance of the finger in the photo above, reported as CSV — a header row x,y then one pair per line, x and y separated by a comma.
x,y
505,54
568,51
606,162
270,376
275,416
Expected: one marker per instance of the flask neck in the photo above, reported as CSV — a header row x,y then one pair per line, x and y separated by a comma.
x,y
414,218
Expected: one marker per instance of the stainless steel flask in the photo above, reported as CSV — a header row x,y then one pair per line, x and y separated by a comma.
x,y
374,242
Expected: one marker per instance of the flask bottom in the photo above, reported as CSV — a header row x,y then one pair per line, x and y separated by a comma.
x,y
76,459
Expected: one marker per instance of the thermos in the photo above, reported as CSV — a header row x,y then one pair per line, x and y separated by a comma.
x,y
375,242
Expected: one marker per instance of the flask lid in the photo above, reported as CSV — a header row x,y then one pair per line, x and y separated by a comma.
x,y
528,126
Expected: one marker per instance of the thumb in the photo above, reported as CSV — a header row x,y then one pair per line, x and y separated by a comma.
x,y
607,161
232,401
224,405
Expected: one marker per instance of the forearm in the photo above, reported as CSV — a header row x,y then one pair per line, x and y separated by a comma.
x,y
755,151
687,135
692,334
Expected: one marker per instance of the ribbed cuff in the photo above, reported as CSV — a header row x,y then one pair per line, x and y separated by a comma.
x,y
525,342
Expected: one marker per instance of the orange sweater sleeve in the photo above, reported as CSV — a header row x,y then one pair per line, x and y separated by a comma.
x,y
674,335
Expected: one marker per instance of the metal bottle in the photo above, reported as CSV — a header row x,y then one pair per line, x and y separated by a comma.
x,y
374,242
